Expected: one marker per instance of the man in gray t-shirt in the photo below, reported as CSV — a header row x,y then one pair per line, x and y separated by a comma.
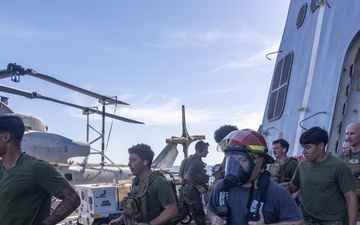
x,y
246,195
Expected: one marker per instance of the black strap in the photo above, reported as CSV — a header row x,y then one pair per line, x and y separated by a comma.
x,y
258,195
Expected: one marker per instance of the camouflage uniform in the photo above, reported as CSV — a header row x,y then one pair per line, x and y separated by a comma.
x,y
189,197
353,162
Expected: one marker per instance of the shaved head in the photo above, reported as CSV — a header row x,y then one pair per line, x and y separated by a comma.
x,y
353,135
356,125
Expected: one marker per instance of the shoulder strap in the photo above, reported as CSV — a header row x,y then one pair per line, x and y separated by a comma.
x,y
156,174
184,166
163,173
147,181
134,182
282,167
187,163
347,155
292,158
257,196
150,216
287,162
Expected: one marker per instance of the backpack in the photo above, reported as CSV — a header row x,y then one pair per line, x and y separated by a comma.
x,y
277,171
354,166
183,166
135,206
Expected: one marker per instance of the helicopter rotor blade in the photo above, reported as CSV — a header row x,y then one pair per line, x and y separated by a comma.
x,y
16,91
33,95
17,70
102,98
4,74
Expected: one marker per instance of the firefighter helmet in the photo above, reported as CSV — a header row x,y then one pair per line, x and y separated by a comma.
x,y
245,140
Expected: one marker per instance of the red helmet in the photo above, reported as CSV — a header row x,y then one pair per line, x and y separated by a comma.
x,y
245,140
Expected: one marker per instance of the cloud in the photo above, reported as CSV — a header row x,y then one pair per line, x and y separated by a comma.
x,y
221,90
190,38
246,35
167,112
148,113
255,60
250,120
197,38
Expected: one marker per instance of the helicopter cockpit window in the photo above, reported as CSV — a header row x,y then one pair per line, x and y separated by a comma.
x,y
68,176
279,87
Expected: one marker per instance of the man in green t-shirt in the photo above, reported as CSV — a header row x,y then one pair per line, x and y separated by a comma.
x,y
151,199
351,155
327,184
284,167
27,183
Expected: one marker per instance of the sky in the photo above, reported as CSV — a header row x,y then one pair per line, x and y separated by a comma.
x,y
155,55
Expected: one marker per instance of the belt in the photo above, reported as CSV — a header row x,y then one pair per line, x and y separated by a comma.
x,y
314,220
188,186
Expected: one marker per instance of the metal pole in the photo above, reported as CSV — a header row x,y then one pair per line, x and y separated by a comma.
x,y
103,135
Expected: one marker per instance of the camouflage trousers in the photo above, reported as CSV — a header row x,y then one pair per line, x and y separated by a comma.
x,y
190,202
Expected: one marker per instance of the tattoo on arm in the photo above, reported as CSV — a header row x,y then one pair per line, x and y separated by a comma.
x,y
70,201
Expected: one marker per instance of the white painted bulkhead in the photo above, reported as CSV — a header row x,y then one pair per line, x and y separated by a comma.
x,y
325,49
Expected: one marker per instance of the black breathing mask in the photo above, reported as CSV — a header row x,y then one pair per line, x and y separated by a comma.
x,y
238,169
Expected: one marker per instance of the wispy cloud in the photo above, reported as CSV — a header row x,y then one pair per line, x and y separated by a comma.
x,y
220,90
255,60
190,38
195,38
167,111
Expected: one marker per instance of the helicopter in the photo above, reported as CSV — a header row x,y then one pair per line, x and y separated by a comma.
x,y
59,150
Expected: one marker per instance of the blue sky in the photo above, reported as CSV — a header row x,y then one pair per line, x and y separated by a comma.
x,y
155,55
